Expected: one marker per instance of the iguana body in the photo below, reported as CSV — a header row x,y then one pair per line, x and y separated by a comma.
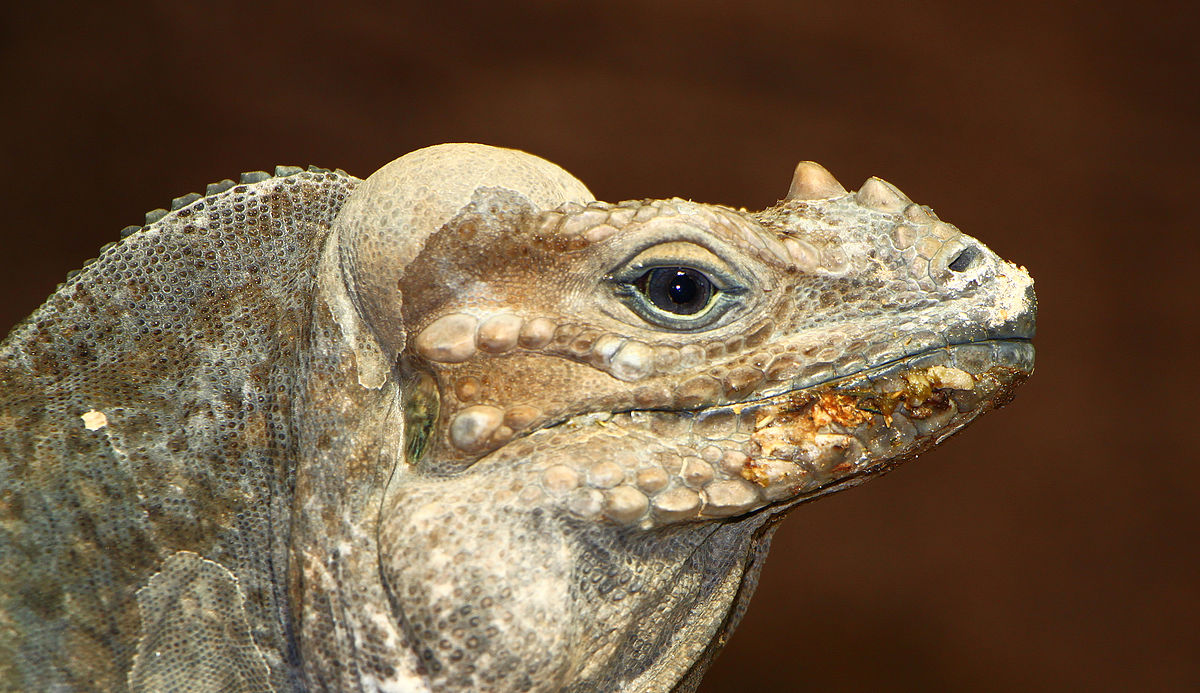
x,y
460,427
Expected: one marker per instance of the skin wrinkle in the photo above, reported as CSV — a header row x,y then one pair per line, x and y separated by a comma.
x,y
487,468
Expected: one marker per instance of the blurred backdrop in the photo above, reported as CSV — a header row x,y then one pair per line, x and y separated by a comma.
x,y
1053,546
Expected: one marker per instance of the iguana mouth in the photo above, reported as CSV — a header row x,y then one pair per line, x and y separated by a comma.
x,y
839,432
731,460
882,388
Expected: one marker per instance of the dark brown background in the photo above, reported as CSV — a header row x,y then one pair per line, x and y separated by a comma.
x,y
1051,547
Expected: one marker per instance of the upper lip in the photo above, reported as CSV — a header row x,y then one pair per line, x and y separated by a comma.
x,y
857,374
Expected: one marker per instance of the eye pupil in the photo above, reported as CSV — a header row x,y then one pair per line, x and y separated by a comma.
x,y
678,290
683,289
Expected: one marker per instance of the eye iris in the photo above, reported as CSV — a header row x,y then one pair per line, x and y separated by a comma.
x,y
679,290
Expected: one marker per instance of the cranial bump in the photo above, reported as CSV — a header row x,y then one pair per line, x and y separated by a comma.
x,y
625,504
652,479
449,339
903,236
633,361
536,333
676,504
928,246
730,497
473,427
919,214
498,333
812,182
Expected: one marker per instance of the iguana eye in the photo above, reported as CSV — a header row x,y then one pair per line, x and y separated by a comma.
x,y
679,286
678,290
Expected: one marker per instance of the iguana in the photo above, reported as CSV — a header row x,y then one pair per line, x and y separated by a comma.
x,y
459,426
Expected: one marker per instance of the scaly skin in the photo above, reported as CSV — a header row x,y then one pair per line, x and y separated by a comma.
x,y
473,453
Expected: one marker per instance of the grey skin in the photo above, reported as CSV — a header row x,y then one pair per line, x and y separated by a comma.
x,y
461,427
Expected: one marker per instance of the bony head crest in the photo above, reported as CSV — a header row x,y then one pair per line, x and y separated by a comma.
x,y
386,221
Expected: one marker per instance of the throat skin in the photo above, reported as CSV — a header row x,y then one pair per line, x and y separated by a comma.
x,y
555,603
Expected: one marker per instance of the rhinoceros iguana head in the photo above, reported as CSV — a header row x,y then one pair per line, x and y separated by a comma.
x,y
461,427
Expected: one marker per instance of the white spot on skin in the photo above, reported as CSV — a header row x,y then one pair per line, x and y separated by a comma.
x,y
369,361
411,683
94,420
402,681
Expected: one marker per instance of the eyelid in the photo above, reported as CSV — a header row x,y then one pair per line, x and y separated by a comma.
x,y
708,263
629,275
676,254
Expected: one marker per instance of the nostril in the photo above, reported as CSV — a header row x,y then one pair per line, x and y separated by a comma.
x,y
964,259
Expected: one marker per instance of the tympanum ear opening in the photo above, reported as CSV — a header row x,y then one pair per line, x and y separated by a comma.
x,y
422,404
